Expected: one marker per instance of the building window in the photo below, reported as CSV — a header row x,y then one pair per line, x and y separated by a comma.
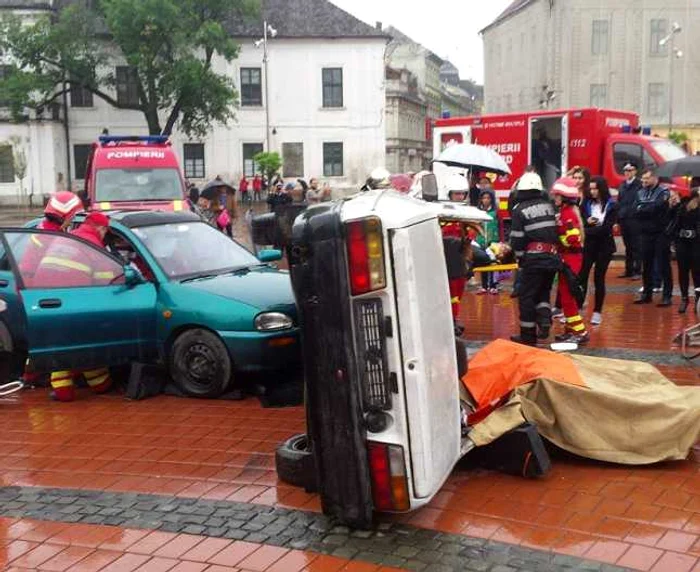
x,y
292,159
80,159
251,87
193,154
332,159
127,86
599,95
5,72
657,105
659,30
601,37
250,150
80,96
7,164
332,87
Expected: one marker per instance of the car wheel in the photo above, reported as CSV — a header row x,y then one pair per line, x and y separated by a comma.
x,y
462,359
295,463
200,364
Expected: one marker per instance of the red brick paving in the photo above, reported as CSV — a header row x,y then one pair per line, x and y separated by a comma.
x,y
128,550
646,518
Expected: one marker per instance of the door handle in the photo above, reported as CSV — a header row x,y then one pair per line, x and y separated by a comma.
x,y
4,283
50,303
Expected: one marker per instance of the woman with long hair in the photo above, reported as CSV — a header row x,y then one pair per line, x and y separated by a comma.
x,y
582,176
685,233
599,213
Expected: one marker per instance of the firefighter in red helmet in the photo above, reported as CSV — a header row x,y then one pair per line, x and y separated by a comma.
x,y
61,263
571,235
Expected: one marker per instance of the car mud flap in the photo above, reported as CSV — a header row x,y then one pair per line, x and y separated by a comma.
x,y
520,452
333,399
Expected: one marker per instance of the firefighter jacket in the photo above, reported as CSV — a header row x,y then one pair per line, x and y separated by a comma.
x,y
66,265
570,230
455,246
533,235
36,248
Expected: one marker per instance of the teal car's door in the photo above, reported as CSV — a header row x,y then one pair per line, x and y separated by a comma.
x,y
79,310
12,325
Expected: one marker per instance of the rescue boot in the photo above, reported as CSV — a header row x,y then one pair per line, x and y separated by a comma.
x,y
526,341
683,307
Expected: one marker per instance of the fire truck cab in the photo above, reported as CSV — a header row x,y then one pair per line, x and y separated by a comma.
x,y
554,141
384,411
134,172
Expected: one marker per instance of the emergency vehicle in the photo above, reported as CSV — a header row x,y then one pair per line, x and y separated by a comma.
x,y
384,416
602,140
134,173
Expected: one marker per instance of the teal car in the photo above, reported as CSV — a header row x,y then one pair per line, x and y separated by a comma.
x,y
169,289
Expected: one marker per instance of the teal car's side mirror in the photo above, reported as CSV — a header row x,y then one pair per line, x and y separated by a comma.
x,y
132,277
269,255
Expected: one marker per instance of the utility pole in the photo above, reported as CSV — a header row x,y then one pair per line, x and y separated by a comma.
x,y
674,53
268,31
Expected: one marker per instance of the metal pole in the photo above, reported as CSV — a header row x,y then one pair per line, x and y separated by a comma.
x,y
670,84
267,99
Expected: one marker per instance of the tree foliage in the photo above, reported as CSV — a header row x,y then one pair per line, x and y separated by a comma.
x,y
269,163
170,46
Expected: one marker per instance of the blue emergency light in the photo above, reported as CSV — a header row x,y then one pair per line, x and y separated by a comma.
x,y
141,138
646,130
446,115
627,129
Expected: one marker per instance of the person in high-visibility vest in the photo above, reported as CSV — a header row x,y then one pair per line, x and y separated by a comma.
x,y
67,266
571,237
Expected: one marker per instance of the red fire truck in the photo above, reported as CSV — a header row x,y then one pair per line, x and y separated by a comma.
x,y
602,140
134,172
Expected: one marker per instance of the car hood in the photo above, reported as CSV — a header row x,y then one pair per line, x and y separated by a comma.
x,y
262,288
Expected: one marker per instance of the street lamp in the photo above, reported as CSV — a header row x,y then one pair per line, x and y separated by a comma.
x,y
268,31
675,53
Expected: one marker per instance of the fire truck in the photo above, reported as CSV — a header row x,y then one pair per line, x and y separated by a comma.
x,y
602,140
134,172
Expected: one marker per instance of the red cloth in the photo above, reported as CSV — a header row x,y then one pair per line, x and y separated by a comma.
x,y
456,292
569,223
243,185
89,233
257,184
36,248
570,231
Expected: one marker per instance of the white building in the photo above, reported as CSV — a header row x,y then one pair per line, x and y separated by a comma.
x,y
325,76
598,53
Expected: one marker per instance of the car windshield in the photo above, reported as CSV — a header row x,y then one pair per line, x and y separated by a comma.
x,y
668,150
138,185
188,250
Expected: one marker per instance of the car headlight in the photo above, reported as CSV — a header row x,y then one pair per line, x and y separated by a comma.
x,y
272,321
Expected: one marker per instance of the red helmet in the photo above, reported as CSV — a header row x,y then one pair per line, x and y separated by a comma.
x,y
97,218
63,205
566,188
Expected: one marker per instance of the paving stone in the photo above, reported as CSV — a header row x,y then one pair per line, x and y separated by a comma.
x,y
406,551
346,552
236,534
194,529
171,527
477,565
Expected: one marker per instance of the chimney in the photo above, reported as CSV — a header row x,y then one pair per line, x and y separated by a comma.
x,y
378,25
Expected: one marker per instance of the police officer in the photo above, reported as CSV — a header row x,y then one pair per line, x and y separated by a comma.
x,y
626,199
533,238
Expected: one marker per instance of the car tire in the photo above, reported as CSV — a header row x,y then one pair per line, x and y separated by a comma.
x,y
295,463
462,358
200,364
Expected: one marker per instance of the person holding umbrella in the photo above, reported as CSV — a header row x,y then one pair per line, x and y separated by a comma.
x,y
213,212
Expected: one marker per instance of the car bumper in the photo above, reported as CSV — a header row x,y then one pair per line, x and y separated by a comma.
x,y
261,351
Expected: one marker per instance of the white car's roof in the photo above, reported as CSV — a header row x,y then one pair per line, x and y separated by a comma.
x,y
397,210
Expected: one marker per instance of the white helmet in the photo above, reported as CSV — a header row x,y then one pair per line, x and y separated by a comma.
x,y
380,178
530,182
457,183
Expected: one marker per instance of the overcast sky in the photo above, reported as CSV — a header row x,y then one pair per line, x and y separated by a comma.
x,y
449,28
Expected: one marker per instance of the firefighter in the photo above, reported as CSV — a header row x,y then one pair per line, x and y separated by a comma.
x,y
58,214
62,262
533,238
571,234
456,243
379,178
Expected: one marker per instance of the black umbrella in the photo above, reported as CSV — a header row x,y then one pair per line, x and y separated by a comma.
x,y
685,167
212,189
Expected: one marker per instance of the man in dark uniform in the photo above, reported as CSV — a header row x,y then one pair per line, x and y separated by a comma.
x,y
628,192
533,238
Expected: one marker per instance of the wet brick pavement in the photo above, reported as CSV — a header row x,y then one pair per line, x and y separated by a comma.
x,y
390,544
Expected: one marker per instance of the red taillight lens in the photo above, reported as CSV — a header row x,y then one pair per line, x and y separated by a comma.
x,y
388,470
365,255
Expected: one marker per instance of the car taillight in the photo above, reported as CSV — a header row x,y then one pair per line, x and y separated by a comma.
x,y
389,484
365,255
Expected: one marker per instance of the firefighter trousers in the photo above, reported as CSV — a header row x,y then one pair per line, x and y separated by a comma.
x,y
572,314
62,382
533,300
456,292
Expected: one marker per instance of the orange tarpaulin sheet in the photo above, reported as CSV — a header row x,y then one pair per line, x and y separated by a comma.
x,y
501,366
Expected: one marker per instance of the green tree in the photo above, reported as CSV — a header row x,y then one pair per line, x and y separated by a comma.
x,y
269,163
169,46
678,137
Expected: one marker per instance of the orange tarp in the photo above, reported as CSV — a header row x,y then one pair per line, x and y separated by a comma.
x,y
502,366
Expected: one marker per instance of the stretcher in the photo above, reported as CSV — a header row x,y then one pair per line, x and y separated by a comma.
x,y
496,268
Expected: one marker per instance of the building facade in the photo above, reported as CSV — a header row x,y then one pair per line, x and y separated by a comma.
x,y
325,100
600,53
